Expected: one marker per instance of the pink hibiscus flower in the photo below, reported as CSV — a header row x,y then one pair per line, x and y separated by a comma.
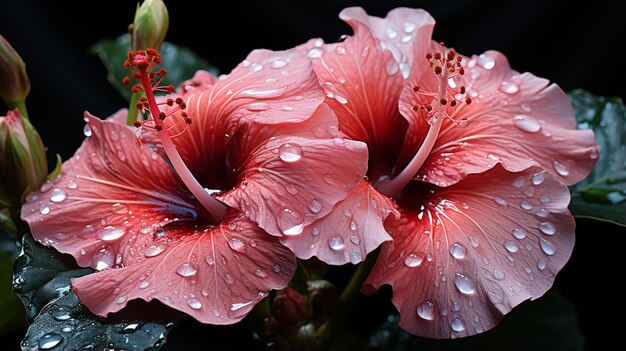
x,y
476,155
154,229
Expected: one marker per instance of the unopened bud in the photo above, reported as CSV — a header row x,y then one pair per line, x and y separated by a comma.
x,y
23,164
14,83
150,25
323,299
288,310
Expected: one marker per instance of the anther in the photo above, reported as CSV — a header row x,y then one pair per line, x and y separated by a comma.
x,y
438,70
437,56
429,56
416,107
162,116
451,55
461,71
416,88
443,101
158,128
126,80
452,103
462,89
468,100
188,120
170,102
137,123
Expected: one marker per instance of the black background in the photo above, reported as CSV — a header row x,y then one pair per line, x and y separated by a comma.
x,y
577,46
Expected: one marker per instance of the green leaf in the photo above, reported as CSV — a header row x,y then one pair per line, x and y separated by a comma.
x,y
66,324
59,320
602,195
12,316
549,323
180,62
41,275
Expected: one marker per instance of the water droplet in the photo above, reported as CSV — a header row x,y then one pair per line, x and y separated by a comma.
x,y
426,310
315,231
456,306
457,250
519,233
355,257
346,212
58,195
194,304
276,268
256,67
68,328
110,233
237,245
154,250
486,62
71,184
290,222
519,182
526,107
544,199
290,152
119,208
319,132
340,99
266,94
355,239
286,108
61,315
500,201
390,33
258,106
315,53
209,260
44,209
353,226
87,130
509,87
328,179
526,123
144,285
547,246
414,259
279,63
392,67
340,50
526,205
473,241
547,228
541,264
457,325
186,270
49,341
120,300
103,258
511,246
497,275
409,27
538,178
336,243
560,168
228,278
542,212
46,186
464,283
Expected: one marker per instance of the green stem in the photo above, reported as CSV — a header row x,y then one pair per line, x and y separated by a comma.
x,y
21,106
348,298
132,108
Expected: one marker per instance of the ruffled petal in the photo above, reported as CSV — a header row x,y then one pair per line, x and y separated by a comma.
x,y
214,274
268,87
291,174
110,198
517,120
476,250
350,232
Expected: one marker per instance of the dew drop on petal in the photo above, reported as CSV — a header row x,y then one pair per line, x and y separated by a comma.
x,y
315,53
286,108
276,268
258,106
390,33
44,209
353,226
538,178
541,264
542,212
186,270
49,341
457,325
340,50
547,246
355,239
497,275
544,199
144,285
340,99
519,233
409,27
209,260
336,243
509,87
290,222
120,300
426,310
236,244
486,62
315,206
355,257
260,273
500,201
328,179
547,228
58,195
110,233
511,246
464,283
315,231
526,205
71,184
103,258
526,123
279,63
154,250
194,304
414,259
392,67
560,168
46,186
290,152
457,250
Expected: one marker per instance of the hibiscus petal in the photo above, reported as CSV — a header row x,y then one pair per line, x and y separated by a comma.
x,y
352,230
110,197
268,87
293,174
515,119
363,84
478,249
215,275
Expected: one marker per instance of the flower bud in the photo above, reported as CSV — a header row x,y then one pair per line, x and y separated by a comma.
x,y
23,164
14,83
323,300
150,25
288,309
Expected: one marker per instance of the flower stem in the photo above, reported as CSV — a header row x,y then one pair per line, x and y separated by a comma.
x,y
21,106
215,208
132,108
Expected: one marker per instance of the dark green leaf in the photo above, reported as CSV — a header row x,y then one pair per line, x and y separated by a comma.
x,y
602,195
66,324
41,275
549,323
12,316
181,63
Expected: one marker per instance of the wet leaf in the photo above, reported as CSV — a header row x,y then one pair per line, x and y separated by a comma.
x,y
602,195
549,323
12,316
180,62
